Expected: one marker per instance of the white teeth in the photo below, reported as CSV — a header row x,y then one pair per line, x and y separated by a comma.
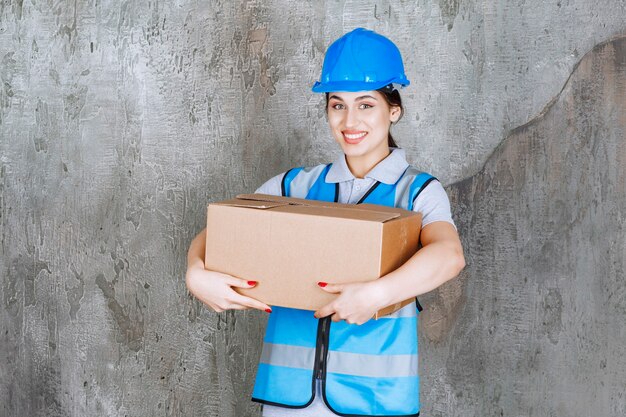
x,y
357,136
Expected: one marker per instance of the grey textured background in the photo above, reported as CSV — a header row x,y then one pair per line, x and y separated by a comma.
x,y
119,121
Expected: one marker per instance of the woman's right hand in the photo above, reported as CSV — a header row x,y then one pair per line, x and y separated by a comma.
x,y
215,288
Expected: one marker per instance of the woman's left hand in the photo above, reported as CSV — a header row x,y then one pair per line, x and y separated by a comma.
x,y
357,302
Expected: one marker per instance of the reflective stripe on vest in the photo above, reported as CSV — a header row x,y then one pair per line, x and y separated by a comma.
x,y
367,370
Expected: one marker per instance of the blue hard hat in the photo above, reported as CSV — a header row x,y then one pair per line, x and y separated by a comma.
x,y
361,60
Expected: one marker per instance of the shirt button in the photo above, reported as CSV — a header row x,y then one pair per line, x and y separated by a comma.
x,y
358,187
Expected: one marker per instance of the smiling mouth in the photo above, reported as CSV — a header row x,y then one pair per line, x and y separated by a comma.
x,y
353,138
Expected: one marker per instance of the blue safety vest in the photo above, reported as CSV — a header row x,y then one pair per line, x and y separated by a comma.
x,y
366,370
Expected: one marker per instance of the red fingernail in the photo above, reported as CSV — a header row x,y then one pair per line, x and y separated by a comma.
x,y
322,284
268,310
251,282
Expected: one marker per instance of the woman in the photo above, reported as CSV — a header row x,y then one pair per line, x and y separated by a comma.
x,y
337,361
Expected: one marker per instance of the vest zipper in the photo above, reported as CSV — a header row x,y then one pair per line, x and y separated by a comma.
x,y
321,351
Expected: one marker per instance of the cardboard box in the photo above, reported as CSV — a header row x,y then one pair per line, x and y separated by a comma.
x,y
290,244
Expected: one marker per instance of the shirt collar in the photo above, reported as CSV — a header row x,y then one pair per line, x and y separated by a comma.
x,y
387,171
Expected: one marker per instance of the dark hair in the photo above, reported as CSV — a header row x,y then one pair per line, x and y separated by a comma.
x,y
393,99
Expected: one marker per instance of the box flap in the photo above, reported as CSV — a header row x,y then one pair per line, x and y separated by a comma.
x,y
236,202
350,211
287,200
376,207
339,213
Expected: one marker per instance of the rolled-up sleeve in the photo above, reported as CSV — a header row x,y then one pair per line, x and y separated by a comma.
x,y
271,186
434,204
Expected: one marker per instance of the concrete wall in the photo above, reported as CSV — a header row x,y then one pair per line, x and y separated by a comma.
x,y
119,121
536,325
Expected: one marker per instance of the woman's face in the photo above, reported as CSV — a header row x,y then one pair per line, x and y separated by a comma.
x,y
360,122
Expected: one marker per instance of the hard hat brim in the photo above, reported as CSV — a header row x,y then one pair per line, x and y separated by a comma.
x,y
354,86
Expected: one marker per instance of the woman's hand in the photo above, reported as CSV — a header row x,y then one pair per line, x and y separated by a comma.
x,y
357,302
439,260
215,290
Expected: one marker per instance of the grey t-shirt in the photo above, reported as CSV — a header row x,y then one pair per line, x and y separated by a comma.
x,y
432,202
